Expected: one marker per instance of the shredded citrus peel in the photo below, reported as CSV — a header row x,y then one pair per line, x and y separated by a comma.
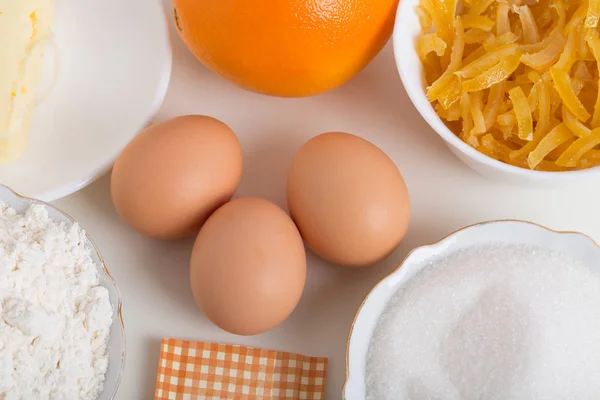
x,y
516,80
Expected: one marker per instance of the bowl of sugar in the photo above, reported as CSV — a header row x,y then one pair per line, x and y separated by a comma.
x,y
498,310
61,328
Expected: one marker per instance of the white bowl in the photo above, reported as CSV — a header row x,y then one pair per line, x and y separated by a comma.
x,y
113,72
406,30
116,345
577,245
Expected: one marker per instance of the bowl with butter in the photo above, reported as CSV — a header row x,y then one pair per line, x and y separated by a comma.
x,y
78,81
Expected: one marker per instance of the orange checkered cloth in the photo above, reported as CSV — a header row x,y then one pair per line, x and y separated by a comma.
x,y
201,370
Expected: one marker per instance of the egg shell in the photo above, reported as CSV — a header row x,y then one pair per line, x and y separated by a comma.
x,y
171,177
248,266
348,199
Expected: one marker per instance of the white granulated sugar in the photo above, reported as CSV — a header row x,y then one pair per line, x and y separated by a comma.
x,y
491,323
54,316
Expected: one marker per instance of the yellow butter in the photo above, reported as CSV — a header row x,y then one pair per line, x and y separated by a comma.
x,y
24,27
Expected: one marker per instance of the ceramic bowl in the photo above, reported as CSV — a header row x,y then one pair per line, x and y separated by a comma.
x,y
406,30
106,75
577,245
116,345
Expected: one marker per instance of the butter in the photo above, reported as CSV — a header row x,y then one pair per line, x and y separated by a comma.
x,y
24,28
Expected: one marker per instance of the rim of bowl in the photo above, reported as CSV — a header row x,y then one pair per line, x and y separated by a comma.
x,y
436,124
444,238
103,268
159,97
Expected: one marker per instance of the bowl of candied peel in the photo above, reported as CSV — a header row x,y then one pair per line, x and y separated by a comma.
x,y
511,87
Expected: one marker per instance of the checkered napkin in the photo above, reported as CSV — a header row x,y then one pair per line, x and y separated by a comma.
x,y
200,370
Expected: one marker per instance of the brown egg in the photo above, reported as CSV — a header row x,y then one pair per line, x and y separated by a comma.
x,y
173,175
248,266
348,199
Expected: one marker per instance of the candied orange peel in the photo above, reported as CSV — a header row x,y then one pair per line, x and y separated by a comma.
x,y
518,80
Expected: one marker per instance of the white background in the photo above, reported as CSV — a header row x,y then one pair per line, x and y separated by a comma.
x,y
446,195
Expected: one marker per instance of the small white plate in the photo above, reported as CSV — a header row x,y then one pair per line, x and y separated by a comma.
x,y
577,245
115,64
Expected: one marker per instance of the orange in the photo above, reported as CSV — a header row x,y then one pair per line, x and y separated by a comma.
x,y
288,48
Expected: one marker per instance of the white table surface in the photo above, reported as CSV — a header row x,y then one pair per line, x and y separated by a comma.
x,y
446,195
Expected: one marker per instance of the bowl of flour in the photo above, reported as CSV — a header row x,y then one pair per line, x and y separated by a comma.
x,y
504,310
61,330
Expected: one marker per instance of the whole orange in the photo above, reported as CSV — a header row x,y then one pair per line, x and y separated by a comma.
x,y
288,48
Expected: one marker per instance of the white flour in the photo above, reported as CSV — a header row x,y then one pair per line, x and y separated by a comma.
x,y
54,316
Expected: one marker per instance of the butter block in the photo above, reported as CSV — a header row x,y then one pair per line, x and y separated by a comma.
x,y
25,27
